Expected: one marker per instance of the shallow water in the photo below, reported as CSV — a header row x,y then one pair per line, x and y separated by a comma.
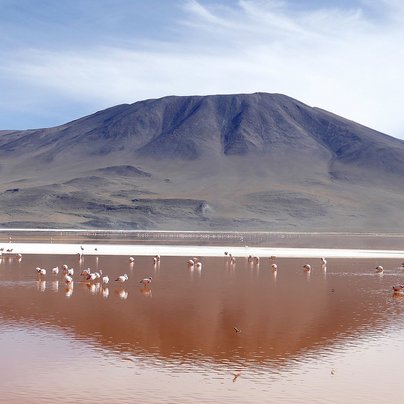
x,y
333,335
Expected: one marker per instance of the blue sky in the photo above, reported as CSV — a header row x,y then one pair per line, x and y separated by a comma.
x,y
61,60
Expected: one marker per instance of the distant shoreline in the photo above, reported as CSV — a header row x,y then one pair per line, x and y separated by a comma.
x,y
264,241
191,250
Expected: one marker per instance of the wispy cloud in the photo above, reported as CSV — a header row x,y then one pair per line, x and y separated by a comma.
x,y
348,60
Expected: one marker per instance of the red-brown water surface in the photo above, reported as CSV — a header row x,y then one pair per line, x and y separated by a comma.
x,y
331,336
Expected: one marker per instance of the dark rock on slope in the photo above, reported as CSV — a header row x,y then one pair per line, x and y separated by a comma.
x,y
232,162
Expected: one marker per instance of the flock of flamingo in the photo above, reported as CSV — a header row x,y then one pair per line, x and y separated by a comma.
x,y
98,281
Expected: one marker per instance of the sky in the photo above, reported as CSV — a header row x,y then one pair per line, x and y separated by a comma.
x,y
61,60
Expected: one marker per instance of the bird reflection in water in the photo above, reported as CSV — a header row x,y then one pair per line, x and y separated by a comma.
x,y
145,291
122,293
69,290
232,260
94,288
105,292
55,286
40,285
156,264
198,270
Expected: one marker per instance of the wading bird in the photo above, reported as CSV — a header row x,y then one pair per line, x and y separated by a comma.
x,y
398,288
146,281
68,280
122,278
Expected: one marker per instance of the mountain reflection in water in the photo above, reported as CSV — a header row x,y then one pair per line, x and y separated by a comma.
x,y
195,331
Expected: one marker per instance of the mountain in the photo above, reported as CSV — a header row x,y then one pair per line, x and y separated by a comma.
x,y
223,162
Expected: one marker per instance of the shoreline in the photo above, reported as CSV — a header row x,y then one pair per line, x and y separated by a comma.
x,y
90,249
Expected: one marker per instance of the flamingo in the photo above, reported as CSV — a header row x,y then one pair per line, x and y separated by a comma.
x,y
105,280
190,263
131,259
91,277
379,269
146,281
323,261
199,265
55,270
68,279
85,272
398,288
122,278
274,267
307,267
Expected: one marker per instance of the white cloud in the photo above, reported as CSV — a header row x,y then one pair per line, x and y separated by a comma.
x,y
348,61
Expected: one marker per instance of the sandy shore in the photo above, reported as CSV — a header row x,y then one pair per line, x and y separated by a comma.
x,y
189,251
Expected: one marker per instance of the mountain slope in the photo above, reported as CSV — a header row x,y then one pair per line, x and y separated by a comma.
x,y
247,161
